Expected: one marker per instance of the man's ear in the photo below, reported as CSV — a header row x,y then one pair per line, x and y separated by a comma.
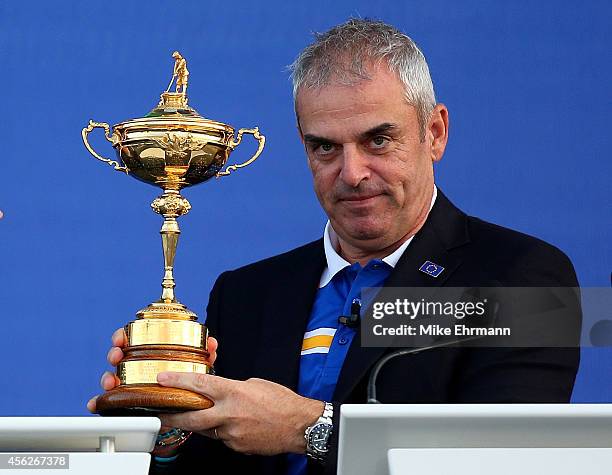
x,y
437,131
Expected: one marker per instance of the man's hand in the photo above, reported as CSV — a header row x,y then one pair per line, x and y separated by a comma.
x,y
115,355
253,416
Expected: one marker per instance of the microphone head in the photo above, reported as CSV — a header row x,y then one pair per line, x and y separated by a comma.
x,y
601,333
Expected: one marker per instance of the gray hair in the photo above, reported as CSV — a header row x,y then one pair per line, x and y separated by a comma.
x,y
344,53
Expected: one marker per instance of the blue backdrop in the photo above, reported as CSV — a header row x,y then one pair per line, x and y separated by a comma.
x,y
528,89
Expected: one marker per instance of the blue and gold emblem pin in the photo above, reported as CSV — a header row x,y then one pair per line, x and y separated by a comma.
x,y
431,269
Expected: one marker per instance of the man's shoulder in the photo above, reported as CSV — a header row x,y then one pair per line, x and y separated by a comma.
x,y
510,242
311,253
493,253
520,255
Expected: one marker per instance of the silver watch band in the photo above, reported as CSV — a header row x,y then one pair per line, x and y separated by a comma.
x,y
326,419
328,413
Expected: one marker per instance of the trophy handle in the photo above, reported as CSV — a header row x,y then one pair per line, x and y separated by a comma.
x,y
234,143
85,132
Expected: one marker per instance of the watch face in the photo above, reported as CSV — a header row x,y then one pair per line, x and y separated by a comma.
x,y
318,437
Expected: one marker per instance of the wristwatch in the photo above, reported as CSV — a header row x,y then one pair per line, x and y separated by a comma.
x,y
317,435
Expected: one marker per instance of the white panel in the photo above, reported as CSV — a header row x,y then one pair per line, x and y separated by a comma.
x,y
95,464
368,431
500,461
77,434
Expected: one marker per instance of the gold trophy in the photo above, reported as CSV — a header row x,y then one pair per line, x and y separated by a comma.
x,y
172,147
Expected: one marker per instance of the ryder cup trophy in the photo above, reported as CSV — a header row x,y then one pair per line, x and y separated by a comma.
x,y
171,147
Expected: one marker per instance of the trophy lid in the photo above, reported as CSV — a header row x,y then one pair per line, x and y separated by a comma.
x,y
173,146
173,104
173,112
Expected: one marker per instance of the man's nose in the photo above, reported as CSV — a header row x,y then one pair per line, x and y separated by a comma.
x,y
355,167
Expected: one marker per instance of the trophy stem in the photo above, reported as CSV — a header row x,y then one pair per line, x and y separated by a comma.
x,y
170,205
169,233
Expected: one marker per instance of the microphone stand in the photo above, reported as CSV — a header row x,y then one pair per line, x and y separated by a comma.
x,y
413,351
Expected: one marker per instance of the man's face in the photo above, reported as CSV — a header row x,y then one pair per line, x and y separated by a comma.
x,y
372,173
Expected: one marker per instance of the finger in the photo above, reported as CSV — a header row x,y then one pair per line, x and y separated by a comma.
x,y
212,434
212,344
119,338
91,404
215,387
195,421
114,356
109,380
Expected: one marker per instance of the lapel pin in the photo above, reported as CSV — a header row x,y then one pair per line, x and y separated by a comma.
x,y
431,269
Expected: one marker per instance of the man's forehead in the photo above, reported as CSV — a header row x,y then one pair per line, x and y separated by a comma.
x,y
338,96
344,130
355,108
330,109
345,116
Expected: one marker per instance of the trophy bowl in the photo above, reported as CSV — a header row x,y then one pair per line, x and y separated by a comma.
x,y
159,152
172,147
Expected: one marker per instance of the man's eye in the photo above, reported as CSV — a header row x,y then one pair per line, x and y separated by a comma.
x,y
325,149
379,142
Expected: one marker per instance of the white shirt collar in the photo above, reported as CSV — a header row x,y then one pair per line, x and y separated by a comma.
x,y
335,262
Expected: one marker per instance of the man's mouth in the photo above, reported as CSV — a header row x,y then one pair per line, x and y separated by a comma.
x,y
357,199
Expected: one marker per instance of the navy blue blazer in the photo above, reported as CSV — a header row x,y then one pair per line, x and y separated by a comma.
x,y
259,314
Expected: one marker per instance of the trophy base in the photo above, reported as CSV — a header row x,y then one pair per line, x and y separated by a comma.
x,y
149,399
165,337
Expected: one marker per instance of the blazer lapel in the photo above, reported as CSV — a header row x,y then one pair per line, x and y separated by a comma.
x,y
444,230
286,316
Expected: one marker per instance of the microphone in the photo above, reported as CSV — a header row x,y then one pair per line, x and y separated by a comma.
x,y
601,333
354,318
413,351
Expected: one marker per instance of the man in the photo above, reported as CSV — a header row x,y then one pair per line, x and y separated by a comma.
x,y
180,73
372,131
